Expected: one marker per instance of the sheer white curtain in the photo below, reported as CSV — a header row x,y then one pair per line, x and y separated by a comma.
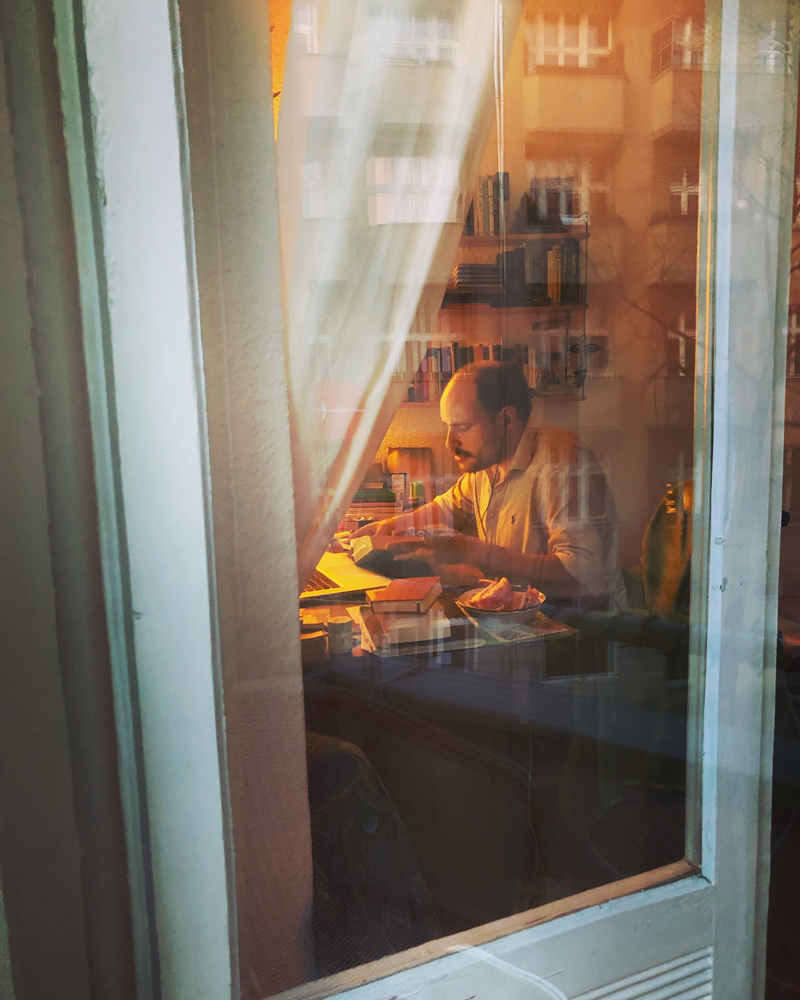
x,y
385,112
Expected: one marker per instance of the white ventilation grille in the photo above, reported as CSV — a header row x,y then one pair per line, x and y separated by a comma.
x,y
684,978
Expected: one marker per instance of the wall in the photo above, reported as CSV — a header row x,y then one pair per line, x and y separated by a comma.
x,y
39,849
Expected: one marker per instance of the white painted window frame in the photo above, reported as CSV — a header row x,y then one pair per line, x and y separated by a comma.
x,y
537,50
120,70
575,176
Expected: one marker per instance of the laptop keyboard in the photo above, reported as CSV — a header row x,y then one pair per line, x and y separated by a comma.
x,y
319,581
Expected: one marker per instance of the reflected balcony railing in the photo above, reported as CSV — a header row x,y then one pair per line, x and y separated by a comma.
x,y
675,103
576,102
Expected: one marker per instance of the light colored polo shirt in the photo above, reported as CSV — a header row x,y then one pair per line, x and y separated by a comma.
x,y
554,500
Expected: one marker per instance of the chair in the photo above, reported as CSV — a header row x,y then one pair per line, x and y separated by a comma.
x,y
467,811
369,897
661,586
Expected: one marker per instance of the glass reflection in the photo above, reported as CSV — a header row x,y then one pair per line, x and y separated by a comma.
x,y
491,305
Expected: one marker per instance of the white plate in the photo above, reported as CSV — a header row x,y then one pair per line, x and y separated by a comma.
x,y
498,619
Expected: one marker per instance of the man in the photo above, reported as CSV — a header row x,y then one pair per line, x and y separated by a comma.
x,y
532,503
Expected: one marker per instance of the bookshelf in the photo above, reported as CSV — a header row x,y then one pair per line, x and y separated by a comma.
x,y
518,298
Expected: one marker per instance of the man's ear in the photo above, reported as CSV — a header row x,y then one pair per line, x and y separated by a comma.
x,y
508,415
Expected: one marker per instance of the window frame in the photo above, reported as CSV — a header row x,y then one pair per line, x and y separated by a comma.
x,y
183,889
537,51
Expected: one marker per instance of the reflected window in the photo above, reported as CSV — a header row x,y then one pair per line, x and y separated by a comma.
x,y
411,189
418,36
678,44
681,349
304,24
568,189
577,40
684,192
773,48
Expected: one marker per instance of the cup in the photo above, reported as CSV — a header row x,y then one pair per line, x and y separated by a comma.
x,y
340,635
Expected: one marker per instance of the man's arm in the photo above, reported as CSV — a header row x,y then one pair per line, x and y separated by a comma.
x,y
412,520
546,573
452,509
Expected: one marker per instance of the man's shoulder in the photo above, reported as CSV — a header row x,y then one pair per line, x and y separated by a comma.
x,y
462,488
557,444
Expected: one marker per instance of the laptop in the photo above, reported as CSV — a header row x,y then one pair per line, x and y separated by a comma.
x,y
336,573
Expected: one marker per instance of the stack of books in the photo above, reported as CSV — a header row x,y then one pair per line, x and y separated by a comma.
x,y
407,618
478,276
401,632
484,217
405,615
372,502
540,272
553,273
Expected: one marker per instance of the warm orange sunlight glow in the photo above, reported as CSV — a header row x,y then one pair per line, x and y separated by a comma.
x,y
280,19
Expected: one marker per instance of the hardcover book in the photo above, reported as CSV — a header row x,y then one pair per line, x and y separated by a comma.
x,y
415,594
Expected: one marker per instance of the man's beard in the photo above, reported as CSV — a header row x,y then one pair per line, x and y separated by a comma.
x,y
466,461
470,462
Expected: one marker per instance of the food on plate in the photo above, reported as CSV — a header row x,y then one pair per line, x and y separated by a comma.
x,y
499,596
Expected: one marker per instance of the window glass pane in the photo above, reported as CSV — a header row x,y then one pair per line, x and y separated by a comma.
x,y
460,738
492,354
598,33
571,31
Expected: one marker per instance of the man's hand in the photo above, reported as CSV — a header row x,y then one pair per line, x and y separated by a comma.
x,y
451,550
451,555
459,575
387,527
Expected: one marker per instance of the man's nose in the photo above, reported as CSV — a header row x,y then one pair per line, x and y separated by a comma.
x,y
451,441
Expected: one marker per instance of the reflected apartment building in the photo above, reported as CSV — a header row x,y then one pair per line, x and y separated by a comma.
x,y
600,144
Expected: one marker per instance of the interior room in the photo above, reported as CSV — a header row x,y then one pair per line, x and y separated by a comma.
x,y
400,533
572,258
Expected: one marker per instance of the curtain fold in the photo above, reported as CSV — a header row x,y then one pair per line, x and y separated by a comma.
x,y
385,112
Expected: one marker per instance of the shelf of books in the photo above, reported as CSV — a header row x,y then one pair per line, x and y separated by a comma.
x,y
529,273
555,363
518,298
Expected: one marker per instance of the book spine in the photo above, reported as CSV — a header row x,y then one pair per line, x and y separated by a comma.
x,y
435,373
417,366
570,271
447,363
554,275
469,222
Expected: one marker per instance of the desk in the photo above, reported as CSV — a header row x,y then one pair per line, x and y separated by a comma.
x,y
456,692
503,760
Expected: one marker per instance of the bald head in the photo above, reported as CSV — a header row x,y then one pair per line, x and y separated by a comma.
x,y
498,385
485,407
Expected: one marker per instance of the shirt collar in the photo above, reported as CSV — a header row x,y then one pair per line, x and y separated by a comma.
x,y
523,456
